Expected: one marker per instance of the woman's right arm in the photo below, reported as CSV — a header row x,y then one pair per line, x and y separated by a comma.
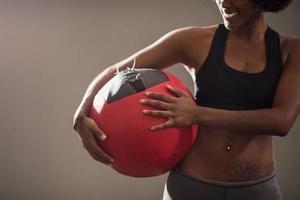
x,y
166,51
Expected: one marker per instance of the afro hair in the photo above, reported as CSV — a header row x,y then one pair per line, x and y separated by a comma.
x,y
273,5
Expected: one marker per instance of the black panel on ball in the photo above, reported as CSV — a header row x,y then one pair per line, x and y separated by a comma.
x,y
132,81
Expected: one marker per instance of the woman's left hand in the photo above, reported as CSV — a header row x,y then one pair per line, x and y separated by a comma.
x,y
180,109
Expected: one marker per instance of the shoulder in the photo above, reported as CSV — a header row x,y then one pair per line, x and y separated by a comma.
x,y
197,29
294,44
190,44
193,32
186,37
290,47
193,43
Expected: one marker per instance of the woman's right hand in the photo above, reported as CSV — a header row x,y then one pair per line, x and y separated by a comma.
x,y
89,133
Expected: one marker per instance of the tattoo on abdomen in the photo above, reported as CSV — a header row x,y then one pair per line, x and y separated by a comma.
x,y
245,171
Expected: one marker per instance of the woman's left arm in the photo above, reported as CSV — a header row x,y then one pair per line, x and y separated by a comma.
x,y
278,120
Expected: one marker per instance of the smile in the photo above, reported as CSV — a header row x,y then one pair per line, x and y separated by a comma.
x,y
230,15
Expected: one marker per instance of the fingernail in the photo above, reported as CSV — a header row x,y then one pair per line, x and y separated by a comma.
x,y
142,101
152,128
147,93
169,86
103,137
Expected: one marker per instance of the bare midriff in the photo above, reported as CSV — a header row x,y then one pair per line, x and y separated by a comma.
x,y
249,157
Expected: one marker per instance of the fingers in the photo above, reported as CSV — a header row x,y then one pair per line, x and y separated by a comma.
x,y
178,92
168,98
155,103
158,113
97,153
168,124
160,96
96,157
97,131
90,133
164,114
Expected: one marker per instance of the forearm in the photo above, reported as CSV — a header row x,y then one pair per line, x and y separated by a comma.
x,y
98,83
263,121
91,92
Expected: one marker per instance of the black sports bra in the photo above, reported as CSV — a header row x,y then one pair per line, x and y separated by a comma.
x,y
221,86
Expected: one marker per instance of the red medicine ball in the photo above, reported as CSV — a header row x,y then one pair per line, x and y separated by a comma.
x,y
138,151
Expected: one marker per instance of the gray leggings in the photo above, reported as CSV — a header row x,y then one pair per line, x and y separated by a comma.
x,y
182,187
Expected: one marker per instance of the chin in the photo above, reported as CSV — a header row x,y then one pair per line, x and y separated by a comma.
x,y
231,26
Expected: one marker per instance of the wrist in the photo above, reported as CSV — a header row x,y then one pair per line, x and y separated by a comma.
x,y
199,113
77,121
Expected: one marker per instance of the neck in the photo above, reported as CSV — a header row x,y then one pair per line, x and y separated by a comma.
x,y
251,31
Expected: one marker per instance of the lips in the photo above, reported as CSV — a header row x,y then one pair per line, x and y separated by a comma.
x,y
230,15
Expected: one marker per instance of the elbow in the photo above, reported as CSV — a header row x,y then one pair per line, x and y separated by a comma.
x,y
284,127
282,133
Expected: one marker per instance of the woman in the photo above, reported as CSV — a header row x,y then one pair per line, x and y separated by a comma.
x,y
248,81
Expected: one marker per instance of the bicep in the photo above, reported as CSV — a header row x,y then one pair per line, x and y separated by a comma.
x,y
163,53
287,97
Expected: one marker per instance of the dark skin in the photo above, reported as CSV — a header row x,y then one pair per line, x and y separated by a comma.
x,y
251,132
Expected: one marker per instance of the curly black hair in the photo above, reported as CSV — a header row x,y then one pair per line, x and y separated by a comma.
x,y
273,5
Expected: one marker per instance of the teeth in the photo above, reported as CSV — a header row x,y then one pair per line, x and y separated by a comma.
x,y
230,15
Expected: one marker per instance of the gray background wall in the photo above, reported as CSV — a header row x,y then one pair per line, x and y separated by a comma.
x,y
49,53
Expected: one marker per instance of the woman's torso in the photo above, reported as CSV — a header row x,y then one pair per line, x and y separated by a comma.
x,y
250,155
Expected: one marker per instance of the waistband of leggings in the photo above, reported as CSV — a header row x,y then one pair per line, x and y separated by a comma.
x,y
227,183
